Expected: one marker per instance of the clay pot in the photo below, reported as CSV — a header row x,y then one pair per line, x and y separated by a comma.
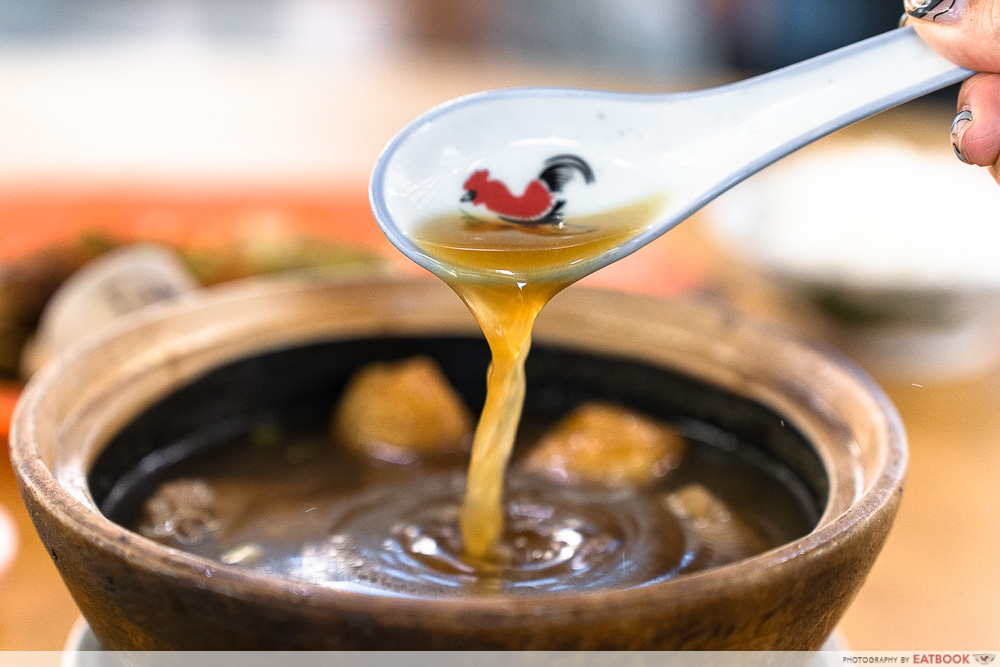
x,y
232,351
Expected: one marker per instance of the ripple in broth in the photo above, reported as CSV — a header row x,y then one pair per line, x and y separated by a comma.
x,y
301,506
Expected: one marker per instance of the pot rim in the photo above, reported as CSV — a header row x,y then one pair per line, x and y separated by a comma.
x,y
874,503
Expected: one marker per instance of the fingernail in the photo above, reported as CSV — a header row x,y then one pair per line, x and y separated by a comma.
x,y
904,20
958,128
946,12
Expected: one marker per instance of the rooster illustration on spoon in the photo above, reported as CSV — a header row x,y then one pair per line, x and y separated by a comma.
x,y
539,203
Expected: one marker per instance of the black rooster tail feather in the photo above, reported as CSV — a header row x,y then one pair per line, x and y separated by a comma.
x,y
559,171
554,216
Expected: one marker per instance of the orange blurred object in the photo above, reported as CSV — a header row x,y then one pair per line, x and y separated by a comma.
x,y
32,219
9,392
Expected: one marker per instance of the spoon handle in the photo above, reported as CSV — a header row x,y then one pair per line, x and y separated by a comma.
x,y
784,110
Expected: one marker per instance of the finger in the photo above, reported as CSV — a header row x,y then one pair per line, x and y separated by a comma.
x,y
975,133
964,31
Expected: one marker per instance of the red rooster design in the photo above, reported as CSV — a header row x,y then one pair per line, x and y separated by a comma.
x,y
538,203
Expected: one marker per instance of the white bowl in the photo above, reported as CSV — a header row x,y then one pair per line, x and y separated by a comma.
x,y
893,248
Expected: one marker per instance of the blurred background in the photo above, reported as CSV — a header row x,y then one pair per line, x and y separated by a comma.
x,y
241,134
224,89
661,39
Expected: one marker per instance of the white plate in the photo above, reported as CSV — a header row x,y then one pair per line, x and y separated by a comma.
x,y
82,649
880,214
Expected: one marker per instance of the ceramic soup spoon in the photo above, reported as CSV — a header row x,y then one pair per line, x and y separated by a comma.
x,y
537,156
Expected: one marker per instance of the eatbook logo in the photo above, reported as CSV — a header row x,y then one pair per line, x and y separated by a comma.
x,y
952,658
539,203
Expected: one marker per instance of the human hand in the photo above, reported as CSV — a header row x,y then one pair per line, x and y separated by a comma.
x,y
967,32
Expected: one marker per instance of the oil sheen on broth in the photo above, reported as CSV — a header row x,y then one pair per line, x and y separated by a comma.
x,y
513,267
293,502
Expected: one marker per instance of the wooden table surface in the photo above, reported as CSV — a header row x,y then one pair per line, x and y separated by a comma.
x,y
937,583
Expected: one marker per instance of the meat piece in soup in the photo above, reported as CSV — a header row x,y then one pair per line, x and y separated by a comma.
x,y
401,411
609,445
719,530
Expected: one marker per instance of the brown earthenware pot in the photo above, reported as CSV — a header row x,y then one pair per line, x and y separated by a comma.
x,y
220,352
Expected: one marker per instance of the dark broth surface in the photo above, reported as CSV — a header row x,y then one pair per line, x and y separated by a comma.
x,y
293,504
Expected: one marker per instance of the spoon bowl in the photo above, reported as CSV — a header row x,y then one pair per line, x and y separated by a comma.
x,y
539,157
